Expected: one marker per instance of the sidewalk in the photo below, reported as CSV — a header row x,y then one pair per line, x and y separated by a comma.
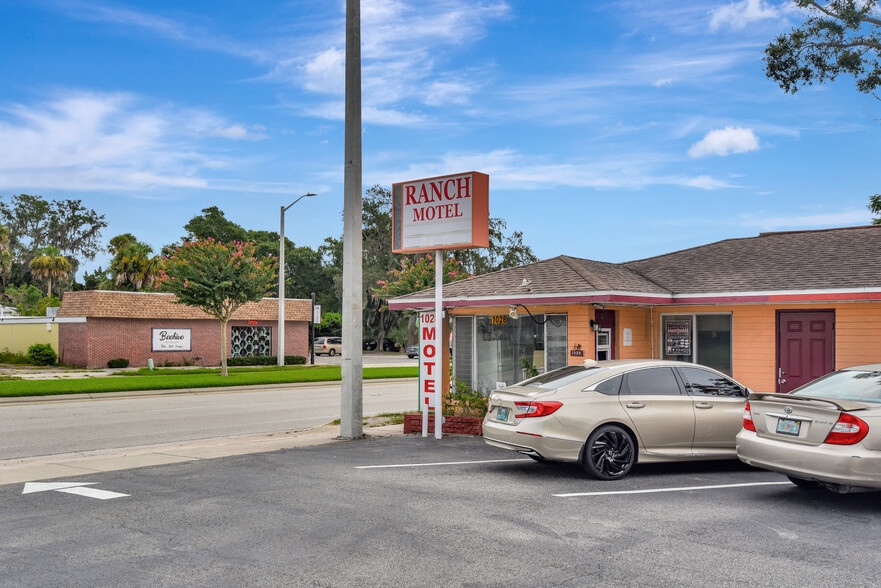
x,y
14,471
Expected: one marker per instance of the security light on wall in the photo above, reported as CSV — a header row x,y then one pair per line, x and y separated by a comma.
x,y
513,313
599,306
594,325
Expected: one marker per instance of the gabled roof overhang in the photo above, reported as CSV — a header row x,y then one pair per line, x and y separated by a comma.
x,y
649,299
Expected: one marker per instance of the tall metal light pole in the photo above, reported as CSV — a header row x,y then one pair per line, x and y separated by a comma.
x,y
281,280
351,391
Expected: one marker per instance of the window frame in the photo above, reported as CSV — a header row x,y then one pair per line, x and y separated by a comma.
x,y
694,357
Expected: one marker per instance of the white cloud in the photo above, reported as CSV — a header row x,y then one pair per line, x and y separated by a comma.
x,y
511,170
95,141
403,44
821,220
662,82
239,132
738,15
725,142
325,72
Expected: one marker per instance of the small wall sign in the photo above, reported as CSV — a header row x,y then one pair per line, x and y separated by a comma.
x,y
172,339
678,338
499,319
576,351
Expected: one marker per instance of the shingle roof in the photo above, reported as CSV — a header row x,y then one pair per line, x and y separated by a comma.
x,y
558,275
796,260
148,305
783,261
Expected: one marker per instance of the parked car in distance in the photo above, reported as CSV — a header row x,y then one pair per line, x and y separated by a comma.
x,y
826,433
328,346
610,415
387,345
412,351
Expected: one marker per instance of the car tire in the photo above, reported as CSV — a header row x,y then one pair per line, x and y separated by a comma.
x,y
411,356
609,453
331,352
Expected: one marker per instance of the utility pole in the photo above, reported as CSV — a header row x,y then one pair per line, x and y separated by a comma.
x,y
351,401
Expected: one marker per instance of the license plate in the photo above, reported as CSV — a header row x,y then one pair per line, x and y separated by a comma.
x,y
788,427
502,414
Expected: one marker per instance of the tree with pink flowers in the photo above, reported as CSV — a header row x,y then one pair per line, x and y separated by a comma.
x,y
217,278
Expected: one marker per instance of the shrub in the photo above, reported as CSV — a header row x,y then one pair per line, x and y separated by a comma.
x,y
7,356
119,362
266,360
464,401
42,354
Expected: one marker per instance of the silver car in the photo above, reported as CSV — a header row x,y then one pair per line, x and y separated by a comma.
x,y
825,434
609,415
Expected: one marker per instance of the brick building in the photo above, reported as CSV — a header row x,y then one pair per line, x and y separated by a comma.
x,y
139,326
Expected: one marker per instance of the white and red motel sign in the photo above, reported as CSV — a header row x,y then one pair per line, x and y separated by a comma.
x,y
434,214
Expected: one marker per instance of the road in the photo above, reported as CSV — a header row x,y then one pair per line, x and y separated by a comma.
x,y
41,428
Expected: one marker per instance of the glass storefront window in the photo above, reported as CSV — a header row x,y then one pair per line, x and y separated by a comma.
x,y
699,338
501,345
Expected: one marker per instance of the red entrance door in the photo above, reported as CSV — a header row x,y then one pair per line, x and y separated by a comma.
x,y
805,347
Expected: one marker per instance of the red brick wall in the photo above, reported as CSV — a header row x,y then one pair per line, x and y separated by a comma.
x,y
453,425
73,343
131,339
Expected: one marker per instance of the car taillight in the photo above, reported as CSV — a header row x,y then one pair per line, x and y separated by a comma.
x,y
748,419
536,409
847,431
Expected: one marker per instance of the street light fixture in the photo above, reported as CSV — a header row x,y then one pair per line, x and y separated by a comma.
x,y
281,280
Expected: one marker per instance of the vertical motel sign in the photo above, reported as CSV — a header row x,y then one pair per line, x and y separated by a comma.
x,y
434,214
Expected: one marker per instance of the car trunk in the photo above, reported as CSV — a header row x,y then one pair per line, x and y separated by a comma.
x,y
798,419
502,403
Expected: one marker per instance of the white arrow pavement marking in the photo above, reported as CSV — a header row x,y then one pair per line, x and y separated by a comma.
x,y
93,493
71,488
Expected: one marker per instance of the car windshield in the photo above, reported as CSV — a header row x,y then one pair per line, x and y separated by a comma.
x,y
561,377
863,386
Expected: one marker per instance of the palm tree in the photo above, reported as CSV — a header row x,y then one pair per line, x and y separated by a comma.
x,y
134,266
49,265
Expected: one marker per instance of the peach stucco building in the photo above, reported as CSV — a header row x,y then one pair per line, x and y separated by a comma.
x,y
774,311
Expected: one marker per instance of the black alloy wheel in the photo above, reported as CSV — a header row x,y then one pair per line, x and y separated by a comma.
x,y
609,453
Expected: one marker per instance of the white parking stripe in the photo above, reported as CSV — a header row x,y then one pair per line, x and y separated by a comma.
x,y
671,489
419,465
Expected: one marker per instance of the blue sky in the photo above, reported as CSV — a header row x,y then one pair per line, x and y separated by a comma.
x,y
610,130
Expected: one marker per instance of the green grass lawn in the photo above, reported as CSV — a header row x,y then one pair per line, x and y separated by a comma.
x,y
166,379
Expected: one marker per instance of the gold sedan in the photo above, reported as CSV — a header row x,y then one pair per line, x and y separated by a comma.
x,y
825,434
609,415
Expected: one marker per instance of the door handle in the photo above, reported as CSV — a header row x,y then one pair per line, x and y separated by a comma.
x,y
635,405
703,405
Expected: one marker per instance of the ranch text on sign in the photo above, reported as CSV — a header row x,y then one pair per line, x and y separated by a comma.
x,y
447,212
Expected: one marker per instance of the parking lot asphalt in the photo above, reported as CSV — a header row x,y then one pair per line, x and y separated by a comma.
x,y
413,511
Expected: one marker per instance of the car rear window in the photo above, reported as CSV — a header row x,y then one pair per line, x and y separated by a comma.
x,y
561,377
863,386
